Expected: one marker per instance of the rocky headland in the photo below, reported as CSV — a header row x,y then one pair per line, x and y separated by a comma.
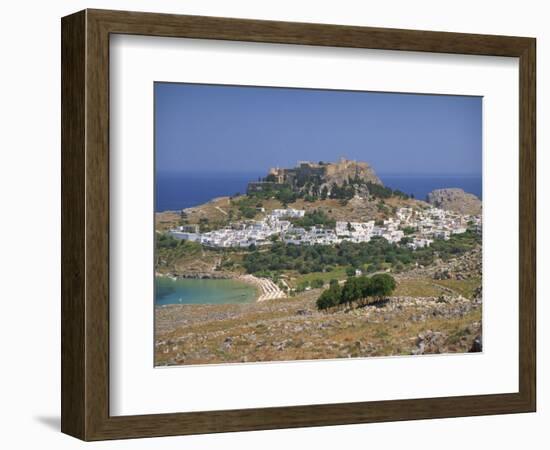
x,y
455,199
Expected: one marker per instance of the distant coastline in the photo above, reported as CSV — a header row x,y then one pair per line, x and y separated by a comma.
x,y
179,191
422,185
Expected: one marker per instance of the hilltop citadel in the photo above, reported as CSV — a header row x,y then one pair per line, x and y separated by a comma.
x,y
321,174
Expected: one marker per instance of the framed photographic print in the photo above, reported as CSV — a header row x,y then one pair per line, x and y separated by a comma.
x,y
273,225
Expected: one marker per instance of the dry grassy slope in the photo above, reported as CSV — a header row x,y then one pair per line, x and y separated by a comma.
x,y
293,329
222,210
166,220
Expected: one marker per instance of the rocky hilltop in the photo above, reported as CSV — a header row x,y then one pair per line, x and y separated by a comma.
x,y
346,170
317,173
455,199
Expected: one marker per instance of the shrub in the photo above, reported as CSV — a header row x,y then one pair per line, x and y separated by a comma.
x,y
317,283
312,218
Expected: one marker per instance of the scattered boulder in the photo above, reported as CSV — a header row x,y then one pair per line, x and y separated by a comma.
x,y
442,274
429,342
227,343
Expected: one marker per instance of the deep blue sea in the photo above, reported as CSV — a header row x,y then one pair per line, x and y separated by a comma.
x,y
422,185
178,191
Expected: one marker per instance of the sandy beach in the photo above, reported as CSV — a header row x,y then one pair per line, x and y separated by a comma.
x,y
268,289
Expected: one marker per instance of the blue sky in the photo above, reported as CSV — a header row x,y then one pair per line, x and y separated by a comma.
x,y
213,128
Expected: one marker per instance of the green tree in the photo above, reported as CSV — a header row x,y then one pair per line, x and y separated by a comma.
x,y
363,286
381,285
351,291
286,196
329,298
248,213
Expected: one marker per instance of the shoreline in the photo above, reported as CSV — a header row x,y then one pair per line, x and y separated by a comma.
x,y
265,288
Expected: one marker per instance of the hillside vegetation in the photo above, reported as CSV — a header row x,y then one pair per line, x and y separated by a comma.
x,y
295,329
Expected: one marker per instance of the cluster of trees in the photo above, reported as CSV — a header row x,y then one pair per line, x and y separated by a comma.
x,y
456,245
246,206
379,191
344,192
311,189
169,249
282,192
361,290
377,254
165,241
286,196
313,218
373,256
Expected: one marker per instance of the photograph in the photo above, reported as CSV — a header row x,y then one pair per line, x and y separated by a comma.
x,y
296,224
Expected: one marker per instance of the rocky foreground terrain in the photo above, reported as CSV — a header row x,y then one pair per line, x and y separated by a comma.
x,y
448,320
293,329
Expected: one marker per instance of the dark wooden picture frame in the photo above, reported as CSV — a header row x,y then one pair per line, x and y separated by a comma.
x,y
85,224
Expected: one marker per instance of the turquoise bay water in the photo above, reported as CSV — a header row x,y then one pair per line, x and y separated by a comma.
x,y
193,291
